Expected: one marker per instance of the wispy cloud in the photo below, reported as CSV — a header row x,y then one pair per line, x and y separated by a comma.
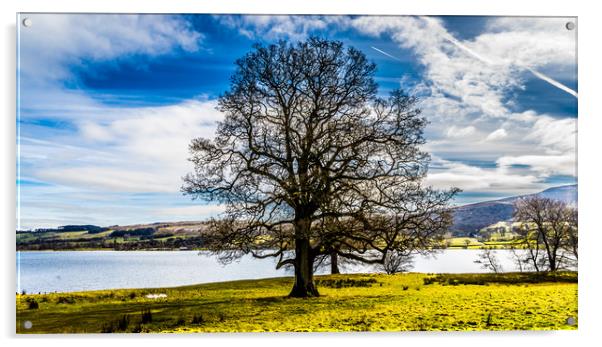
x,y
136,149
273,27
471,178
116,163
64,41
498,134
469,84
92,151
478,56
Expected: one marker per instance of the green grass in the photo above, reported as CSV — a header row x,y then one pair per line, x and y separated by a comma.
x,y
473,243
464,242
375,302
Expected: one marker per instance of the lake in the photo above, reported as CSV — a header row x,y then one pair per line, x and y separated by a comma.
x,y
48,271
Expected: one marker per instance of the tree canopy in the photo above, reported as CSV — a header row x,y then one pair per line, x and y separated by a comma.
x,y
310,161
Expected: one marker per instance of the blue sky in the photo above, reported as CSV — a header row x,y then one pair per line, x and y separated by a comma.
x,y
109,103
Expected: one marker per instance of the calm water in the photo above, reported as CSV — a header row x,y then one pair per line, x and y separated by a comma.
x,y
89,270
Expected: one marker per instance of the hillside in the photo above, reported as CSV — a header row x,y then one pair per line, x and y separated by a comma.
x,y
158,236
469,219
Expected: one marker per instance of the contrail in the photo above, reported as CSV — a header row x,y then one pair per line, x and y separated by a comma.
x,y
551,81
385,53
460,45
536,73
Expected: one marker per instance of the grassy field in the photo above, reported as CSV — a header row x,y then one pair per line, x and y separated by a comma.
x,y
189,236
347,303
474,243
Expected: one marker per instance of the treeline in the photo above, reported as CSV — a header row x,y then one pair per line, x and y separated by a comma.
x,y
148,242
134,232
171,243
91,229
64,245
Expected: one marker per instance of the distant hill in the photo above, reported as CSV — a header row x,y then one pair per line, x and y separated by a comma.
x,y
469,219
567,194
154,236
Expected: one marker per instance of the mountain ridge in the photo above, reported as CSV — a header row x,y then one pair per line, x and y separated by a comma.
x,y
470,218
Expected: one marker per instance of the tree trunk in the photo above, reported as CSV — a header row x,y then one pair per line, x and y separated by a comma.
x,y
304,282
334,263
552,261
304,261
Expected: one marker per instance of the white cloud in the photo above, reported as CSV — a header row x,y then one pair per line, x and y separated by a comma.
x,y
456,78
65,40
544,165
529,40
500,179
196,211
271,27
555,135
137,150
94,171
457,132
144,149
468,86
497,135
106,178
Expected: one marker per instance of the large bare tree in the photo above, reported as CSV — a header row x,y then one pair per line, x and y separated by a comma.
x,y
311,163
549,232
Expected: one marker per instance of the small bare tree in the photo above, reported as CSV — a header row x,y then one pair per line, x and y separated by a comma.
x,y
546,227
489,261
519,260
397,261
533,257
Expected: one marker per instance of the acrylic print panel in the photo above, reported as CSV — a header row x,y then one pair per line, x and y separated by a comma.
x,y
238,173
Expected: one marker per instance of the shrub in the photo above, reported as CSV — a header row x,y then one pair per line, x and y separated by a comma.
x,y
120,325
137,329
197,319
123,322
107,328
147,316
507,278
65,300
488,322
347,282
32,304
453,282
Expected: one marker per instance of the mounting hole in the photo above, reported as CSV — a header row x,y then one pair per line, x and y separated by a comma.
x,y
27,324
570,26
27,22
570,321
